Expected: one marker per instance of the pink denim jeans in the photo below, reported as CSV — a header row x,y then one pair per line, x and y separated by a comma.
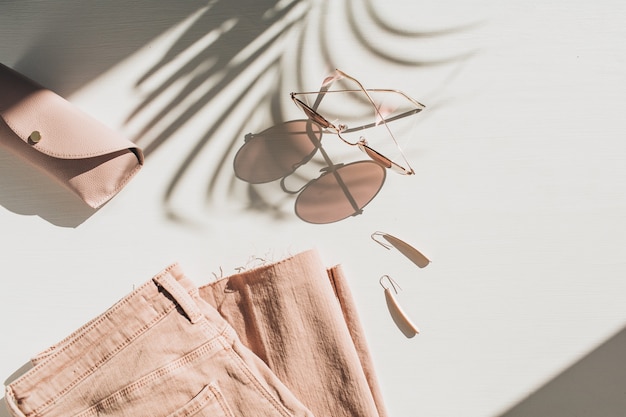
x,y
280,340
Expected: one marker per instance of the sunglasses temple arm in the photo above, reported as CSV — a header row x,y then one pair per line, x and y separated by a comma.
x,y
391,119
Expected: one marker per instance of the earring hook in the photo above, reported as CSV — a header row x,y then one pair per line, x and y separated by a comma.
x,y
392,282
384,245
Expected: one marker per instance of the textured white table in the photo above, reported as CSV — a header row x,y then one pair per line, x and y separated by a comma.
x,y
519,197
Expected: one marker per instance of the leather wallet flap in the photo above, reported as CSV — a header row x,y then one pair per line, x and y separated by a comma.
x,y
55,127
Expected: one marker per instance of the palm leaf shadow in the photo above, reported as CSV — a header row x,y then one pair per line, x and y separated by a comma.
x,y
225,59
217,58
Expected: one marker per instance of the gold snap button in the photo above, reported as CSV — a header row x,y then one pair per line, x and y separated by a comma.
x,y
35,137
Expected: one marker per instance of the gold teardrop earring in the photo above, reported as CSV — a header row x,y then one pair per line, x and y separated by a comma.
x,y
407,250
402,320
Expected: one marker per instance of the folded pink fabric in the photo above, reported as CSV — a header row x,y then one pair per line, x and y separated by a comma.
x,y
300,318
160,351
280,340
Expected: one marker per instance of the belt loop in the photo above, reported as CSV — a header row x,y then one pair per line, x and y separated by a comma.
x,y
11,402
180,295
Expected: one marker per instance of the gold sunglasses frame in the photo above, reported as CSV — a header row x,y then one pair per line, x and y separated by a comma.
x,y
362,144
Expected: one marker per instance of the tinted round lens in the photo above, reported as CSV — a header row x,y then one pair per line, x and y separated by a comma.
x,y
340,193
277,151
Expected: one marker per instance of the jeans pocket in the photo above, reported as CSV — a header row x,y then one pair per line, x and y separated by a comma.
x,y
208,403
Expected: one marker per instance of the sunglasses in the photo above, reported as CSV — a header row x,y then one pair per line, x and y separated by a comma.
x,y
341,191
371,109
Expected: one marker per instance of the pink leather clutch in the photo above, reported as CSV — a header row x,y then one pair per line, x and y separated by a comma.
x,y
85,156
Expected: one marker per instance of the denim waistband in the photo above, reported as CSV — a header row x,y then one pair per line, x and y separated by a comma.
x,y
64,365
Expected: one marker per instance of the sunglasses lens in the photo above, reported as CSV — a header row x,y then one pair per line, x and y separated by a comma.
x,y
340,193
277,152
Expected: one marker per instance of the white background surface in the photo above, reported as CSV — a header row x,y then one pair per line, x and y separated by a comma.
x,y
519,197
